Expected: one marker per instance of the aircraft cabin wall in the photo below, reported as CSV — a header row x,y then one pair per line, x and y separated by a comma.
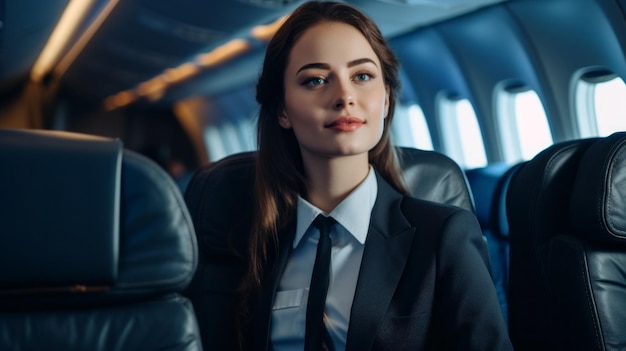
x,y
572,41
514,45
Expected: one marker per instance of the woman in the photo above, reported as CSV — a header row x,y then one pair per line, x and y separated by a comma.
x,y
404,273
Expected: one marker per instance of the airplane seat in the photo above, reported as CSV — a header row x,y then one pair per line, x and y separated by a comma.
x,y
433,176
587,262
220,198
537,204
95,244
489,185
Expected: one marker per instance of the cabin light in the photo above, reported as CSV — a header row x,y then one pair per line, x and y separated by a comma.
x,y
70,20
223,53
266,32
180,73
156,94
118,100
153,87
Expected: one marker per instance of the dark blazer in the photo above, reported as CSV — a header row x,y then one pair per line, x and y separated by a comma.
x,y
424,284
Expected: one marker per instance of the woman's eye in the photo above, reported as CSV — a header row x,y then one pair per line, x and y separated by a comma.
x,y
312,82
363,77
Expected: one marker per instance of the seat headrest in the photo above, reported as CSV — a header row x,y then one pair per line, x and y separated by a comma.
x,y
435,177
598,202
539,191
79,213
60,201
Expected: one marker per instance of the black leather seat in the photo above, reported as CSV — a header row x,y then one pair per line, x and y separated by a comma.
x,y
95,243
587,263
436,177
226,187
538,203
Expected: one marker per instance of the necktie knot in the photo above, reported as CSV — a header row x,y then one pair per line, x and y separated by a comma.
x,y
324,224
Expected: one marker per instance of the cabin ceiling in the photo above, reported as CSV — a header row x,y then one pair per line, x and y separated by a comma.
x,y
139,39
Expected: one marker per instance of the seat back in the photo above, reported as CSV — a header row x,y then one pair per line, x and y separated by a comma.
x,y
95,243
224,188
587,262
537,209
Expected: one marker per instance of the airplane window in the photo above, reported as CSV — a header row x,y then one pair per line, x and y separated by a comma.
x,y
419,128
230,138
585,109
509,138
247,134
610,98
466,148
532,124
418,134
610,106
523,124
601,105
214,143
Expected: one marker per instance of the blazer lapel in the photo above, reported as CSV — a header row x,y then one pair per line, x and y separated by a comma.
x,y
276,265
386,250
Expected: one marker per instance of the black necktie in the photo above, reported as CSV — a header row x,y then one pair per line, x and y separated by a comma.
x,y
316,336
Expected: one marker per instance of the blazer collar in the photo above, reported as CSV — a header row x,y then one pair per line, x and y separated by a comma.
x,y
385,254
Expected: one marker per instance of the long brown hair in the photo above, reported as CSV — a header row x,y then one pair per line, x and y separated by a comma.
x,y
279,170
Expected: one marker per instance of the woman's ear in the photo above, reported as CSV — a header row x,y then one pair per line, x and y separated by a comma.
x,y
283,121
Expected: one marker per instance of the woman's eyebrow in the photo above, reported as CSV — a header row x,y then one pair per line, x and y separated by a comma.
x,y
320,65
361,61
317,65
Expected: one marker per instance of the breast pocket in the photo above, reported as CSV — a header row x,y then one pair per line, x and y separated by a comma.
x,y
289,314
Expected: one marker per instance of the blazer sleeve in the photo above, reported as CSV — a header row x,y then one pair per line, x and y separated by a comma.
x,y
467,308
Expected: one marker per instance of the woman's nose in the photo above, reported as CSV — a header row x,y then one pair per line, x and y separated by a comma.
x,y
344,96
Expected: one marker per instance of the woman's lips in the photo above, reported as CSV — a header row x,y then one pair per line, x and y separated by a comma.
x,y
345,124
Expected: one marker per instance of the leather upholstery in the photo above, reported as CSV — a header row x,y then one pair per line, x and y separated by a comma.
x,y
226,186
436,177
95,243
566,213
598,206
537,208
587,263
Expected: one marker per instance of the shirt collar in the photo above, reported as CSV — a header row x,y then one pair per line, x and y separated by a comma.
x,y
353,213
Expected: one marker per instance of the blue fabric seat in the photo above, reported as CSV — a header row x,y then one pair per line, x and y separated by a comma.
x,y
489,186
95,244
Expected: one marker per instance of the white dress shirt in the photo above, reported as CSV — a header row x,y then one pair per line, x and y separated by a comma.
x,y
348,238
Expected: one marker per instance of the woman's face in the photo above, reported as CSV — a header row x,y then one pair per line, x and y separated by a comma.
x,y
335,96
